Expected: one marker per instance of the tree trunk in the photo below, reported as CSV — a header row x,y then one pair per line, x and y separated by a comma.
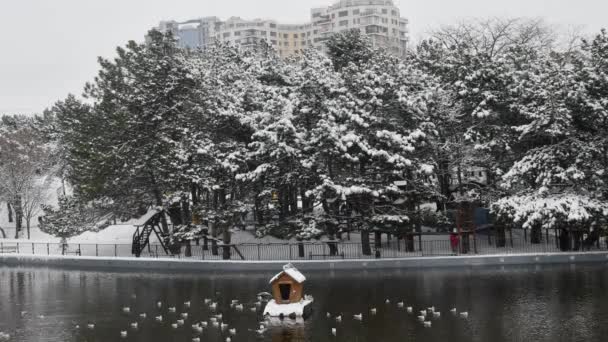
x,y
226,247
365,245
301,249
377,239
259,216
158,196
577,237
409,243
443,177
564,240
194,193
333,248
214,250
186,214
27,225
294,200
501,238
188,251
536,234
305,201
18,206
206,241
217,194
9,212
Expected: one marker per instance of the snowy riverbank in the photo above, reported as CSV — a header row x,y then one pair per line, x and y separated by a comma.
x,y
173,265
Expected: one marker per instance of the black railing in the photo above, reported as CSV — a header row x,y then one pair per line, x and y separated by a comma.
x,y
326,250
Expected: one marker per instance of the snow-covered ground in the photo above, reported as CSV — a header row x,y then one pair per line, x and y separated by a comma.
x,y
116,241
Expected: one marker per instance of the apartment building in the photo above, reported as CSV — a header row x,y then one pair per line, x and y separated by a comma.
x,y
193,34
380,20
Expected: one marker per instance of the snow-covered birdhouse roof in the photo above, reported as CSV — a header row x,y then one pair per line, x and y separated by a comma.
x,y
292,272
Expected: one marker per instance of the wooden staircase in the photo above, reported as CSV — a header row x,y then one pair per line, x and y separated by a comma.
x,y
141,237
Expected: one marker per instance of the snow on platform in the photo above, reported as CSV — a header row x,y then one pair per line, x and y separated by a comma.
x,y
140,221
298,309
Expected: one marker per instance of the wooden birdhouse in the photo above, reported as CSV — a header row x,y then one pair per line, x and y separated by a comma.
x,y
288,293
288,285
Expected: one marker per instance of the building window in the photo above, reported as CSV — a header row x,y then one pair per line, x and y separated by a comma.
x,y
342,14
384,11
394,13
274,42
262,33
273,34
303,42
344,23
226,34
356,12
273,25
285,35
295,35
316,15
237,33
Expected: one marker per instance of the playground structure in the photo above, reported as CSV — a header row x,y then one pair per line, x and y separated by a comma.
x,y
141,237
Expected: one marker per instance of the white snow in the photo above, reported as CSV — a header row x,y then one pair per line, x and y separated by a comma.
x,y
274,310
549,211
291,271
141,220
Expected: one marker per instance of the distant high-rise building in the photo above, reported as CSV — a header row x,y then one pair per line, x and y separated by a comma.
x,y
380,20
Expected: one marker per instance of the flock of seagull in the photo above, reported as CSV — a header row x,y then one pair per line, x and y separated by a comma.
x,y
216,320
425,317
178,319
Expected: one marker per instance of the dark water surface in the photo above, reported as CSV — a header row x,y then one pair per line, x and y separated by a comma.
x,y
533,303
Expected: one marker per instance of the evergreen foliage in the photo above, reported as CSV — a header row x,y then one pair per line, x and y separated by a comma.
x,y
305,144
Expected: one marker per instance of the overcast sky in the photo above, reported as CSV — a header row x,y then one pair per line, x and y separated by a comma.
x,y
49,48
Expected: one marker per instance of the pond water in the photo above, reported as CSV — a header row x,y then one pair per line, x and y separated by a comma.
x,y
549,303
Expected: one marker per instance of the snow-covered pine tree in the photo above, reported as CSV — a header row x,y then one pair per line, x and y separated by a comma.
x,y
559,182
126,146
347,47
71,218
364,141
475,63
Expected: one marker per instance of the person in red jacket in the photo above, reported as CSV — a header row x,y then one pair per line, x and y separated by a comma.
x,y
454,240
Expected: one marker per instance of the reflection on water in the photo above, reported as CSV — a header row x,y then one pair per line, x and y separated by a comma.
x,y
552,303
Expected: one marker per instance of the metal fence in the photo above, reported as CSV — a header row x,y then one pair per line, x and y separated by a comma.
x,y
327,250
